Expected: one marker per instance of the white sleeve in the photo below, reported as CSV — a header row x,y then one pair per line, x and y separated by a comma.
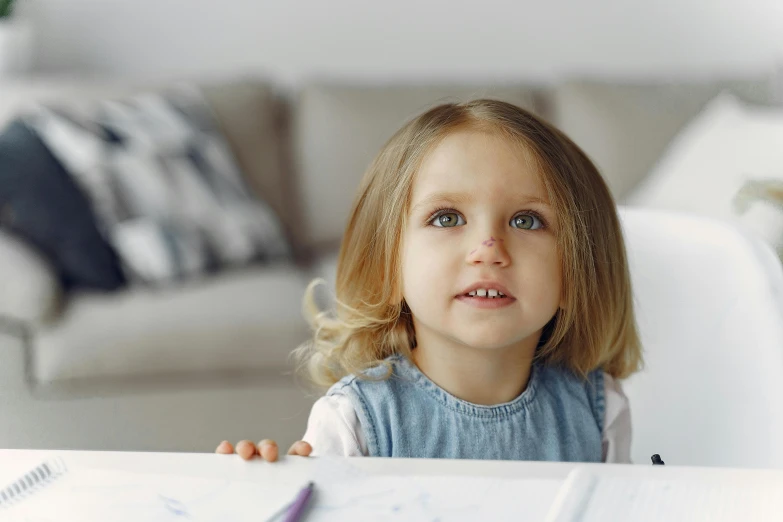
x,y
333,428
617,423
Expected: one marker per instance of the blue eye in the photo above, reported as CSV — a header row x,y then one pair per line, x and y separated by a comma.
x,y
526,221
447,220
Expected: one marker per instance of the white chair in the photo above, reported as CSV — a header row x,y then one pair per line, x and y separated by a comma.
x,y
709,302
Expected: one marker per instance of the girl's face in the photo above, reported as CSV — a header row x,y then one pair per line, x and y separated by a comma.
x,y
480,265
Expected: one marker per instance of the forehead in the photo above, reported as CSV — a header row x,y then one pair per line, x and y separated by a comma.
x,y
479,164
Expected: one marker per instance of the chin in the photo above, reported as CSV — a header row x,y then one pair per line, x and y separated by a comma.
x,y
496,342
492,339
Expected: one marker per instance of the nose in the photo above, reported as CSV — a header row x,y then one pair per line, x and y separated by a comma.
x,y
490,251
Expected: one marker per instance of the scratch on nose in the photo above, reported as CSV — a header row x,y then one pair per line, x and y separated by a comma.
x,y
490,241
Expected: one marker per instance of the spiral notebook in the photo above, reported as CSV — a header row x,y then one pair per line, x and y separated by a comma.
x,y
30,482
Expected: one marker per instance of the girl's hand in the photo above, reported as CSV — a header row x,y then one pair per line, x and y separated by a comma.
x,y
266,449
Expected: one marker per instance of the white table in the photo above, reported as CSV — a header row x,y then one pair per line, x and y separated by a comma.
x,y
232,466
14,462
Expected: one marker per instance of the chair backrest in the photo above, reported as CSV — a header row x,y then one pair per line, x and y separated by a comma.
x,y
709,303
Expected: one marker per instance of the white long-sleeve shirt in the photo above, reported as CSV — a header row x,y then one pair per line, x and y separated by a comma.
x,y
334,429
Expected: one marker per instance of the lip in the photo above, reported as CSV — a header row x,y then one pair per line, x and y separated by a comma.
x,y
486,302
488,285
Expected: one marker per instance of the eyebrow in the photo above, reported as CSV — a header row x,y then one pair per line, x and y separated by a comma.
x,y
442,197
457,198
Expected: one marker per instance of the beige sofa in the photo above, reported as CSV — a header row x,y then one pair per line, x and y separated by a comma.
x,y
181,369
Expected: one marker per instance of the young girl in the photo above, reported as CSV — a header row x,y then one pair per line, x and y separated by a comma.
x,y
484,305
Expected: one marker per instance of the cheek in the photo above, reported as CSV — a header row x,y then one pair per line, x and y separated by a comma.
x,y
554,276
542,274
414,274
426,268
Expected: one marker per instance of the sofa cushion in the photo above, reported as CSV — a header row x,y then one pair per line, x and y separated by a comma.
x,y
339,129
29,290
164,185
243,321
41,204
254,122
247,109
625,127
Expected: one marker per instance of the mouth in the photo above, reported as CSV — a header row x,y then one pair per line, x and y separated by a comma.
x,y
489,294
485,292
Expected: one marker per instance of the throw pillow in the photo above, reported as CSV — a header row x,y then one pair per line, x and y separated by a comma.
x,y
163,184
40,203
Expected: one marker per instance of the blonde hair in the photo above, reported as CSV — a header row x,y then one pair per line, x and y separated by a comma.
x,y
594,329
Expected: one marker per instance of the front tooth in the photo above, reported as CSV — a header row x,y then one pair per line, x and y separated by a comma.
x,y
481,292
493,293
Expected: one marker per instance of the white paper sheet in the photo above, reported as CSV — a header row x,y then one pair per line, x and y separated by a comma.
x,y
87,495
589,497
446,499
342,493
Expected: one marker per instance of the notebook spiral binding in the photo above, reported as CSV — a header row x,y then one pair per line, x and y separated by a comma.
x,y
35,479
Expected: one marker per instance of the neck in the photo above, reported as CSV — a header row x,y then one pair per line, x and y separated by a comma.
x,y
480,376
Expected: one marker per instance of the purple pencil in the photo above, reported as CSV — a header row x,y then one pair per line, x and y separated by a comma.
x,y
296,510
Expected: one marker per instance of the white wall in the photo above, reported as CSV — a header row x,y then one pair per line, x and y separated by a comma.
x,y
486,39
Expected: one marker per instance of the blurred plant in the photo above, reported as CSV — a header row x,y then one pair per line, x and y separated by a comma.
x,y
6,8
768,190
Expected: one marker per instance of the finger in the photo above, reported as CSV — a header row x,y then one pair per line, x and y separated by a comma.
x,y
268,450
301,449
246,449
225,448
